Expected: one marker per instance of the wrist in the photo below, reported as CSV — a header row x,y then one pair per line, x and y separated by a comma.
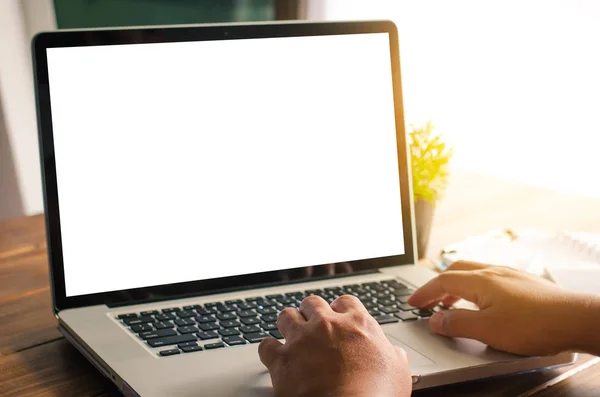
x,y
584,323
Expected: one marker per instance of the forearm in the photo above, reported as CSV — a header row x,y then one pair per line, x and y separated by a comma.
x,y
586,325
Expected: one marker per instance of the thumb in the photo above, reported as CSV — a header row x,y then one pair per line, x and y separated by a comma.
x,y
268,350
459,323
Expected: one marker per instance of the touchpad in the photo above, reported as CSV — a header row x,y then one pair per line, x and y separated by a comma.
x,y
415,359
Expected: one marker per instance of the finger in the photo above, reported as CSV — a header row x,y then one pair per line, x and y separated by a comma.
x,y
313,306
268,351
459,283
289,321
460,323
450,300
466,265
347,303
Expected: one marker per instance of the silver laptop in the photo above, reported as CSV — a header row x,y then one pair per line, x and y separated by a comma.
x,y
199,179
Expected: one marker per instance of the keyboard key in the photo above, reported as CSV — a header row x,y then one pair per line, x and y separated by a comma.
x,y
370,305
149,312
184,321
170,340
163,325
233,301
402,291
157,334
234,340
395,284
389,309
253,299
274,296
187,329
288,301
381,295
216,345
246,313
229,331
190,349
387,302
138,320
385,319
128,315
248,329
374,311
424,313
255,337
206,319
226,316
207,335
250,320
276,334
365,298
313,291
402,299
207,311
186,314
406,316
246,305
266,310
269,326
269,318
266,302
226,308
208,326
186,344
171,310
141,327
165,317
171,352
192,307
406,307
229,323
211,304
295,294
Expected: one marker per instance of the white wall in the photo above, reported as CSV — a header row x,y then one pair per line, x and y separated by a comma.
x,y
19,21
514,85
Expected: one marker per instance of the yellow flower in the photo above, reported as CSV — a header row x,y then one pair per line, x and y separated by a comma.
x,y
429,161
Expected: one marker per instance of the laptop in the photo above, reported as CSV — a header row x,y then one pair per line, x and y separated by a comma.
x,y
199,179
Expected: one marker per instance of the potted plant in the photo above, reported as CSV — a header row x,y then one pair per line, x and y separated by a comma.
x,y
430,157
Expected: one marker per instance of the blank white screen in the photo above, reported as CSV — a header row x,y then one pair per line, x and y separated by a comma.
x,y
195,160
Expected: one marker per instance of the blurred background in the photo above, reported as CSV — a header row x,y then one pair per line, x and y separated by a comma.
x,y
512,85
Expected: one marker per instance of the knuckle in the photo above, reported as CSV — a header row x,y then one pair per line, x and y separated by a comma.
x,y
287,312
348,299
311,299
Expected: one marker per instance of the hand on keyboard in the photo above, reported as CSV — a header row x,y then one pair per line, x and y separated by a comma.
x,y
337,350
519,313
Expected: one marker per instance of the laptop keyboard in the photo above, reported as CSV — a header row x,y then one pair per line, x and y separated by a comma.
x,y
194,328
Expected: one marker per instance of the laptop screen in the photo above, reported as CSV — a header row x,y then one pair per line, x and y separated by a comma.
x,y
199,160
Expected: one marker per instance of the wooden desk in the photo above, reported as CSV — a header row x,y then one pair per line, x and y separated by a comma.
x,y
36,360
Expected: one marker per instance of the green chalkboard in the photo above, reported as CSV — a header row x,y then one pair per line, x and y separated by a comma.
x,y
105,13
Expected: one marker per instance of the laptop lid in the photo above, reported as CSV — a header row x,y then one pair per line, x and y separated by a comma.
x,y
191,160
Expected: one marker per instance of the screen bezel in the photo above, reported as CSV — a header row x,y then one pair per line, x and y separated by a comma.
x,y
44,41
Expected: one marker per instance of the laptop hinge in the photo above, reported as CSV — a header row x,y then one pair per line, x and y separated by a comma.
x,y
128,302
